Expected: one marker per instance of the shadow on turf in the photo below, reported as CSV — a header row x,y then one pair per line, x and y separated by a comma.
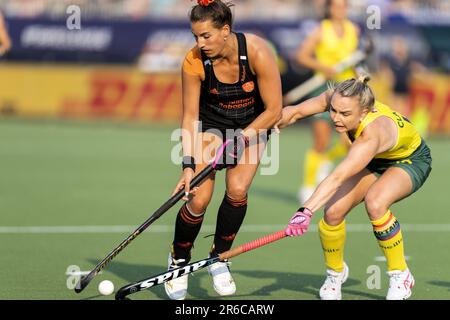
x,y
280,195
444,284
296,282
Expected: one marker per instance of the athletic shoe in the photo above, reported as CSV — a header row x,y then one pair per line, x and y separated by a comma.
x,y
176,289
331,288
400,285
222,280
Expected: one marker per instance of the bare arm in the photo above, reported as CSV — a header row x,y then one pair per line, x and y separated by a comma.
x,y
264,65
292,114
306,54
191,99
375,139
5,41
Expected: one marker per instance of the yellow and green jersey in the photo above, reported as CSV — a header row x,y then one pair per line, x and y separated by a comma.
x,y
408,138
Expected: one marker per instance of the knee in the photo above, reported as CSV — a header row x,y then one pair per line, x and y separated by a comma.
x,y
334,215
374,206
198,205
237,192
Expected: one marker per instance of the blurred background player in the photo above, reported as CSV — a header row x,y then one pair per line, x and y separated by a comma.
x,y
230,82
399,67
387,162
5,41
332,41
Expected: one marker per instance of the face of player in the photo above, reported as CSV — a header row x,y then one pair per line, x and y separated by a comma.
x,y
338,9
210,39
346,113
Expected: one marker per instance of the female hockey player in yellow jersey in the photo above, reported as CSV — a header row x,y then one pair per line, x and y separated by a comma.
x,y
334,39
387,162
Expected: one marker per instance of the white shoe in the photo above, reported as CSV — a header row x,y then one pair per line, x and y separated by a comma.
x,y
400,285
176,289
222,280
331,289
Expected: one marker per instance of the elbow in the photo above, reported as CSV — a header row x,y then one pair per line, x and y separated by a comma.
x,y
303,59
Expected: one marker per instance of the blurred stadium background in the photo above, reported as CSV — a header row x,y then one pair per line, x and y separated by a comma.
x,y
86,116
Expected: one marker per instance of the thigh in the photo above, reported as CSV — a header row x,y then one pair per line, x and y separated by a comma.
x,y
240,177
206,146
350,194
393,185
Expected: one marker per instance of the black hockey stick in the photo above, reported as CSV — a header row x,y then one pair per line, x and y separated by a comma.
x,y
217,164
84,281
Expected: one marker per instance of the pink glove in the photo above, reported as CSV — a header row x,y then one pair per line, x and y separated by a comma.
x,y
299,222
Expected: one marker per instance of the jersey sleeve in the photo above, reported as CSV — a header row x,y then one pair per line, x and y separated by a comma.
x,y
192,63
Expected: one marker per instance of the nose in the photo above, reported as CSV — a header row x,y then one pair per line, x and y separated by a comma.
x,y
334,116
200,43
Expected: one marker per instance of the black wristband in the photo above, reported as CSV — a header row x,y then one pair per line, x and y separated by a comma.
x,y
304,209
188,162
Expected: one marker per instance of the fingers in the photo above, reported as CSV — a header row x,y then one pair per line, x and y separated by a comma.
x,y
288,232
293,232
194,191
277,129
187,188
178,187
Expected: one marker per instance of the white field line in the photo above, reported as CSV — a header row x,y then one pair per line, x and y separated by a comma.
x,y
383,258
205,228
79,273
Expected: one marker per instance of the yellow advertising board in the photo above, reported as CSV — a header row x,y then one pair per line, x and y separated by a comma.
x,y
126,93
86,91
431,94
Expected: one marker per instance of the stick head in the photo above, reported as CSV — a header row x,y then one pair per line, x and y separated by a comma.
x,y
84,281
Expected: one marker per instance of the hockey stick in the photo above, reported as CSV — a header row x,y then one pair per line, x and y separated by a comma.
x,y
158,213
84,281
178,272
316,81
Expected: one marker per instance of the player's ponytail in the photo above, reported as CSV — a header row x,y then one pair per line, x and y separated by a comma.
x,y
215,10
364,78
357,88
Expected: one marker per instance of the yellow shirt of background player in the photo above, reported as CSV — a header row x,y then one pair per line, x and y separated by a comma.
x,y
332,48
408,139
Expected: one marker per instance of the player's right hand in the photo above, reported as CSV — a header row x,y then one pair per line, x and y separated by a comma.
x,y
185,183
299,222
287,118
